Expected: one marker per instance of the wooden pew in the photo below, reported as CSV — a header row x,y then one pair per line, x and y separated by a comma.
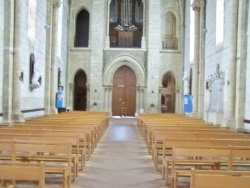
x,y
23,171
158,143
195,157
219,179
91,135
73,139
192,142
228,157
57,152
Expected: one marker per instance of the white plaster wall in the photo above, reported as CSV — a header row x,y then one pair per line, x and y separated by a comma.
x,y
247,102
1,54
215,55
34,99
187,37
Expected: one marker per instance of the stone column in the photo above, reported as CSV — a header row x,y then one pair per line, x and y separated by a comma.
x,y
154,44
56,5
48,28
138,98
20,32
97,35
143,40
229,107
177,99
88,97
106,97
142,98
241,65
110,100
159,99
68,91
107,40
201,61
71,96
8,60
195,88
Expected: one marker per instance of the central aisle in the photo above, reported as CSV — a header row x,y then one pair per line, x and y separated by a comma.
x,y
120,160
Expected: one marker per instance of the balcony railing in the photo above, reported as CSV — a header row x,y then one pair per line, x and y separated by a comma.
x,y
170,43
125,42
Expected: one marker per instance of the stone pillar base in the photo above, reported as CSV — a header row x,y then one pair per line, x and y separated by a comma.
x,y
7,118
194,115
143,43
19,118
53,111
228,122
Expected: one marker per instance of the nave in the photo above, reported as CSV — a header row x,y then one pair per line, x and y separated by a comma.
x,y
121,160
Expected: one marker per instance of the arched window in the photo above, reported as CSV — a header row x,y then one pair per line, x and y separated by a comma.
x,y
169,31
82,29
219,22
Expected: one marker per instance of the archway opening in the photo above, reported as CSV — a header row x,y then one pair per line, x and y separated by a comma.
x,y
124,92
80,91
168,93
82,29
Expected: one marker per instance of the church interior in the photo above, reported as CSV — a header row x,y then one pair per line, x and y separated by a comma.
x,y
124,93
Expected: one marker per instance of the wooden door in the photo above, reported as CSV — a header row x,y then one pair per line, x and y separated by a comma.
x,y
124,91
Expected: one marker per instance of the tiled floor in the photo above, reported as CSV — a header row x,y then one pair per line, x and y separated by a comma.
x,y
120,160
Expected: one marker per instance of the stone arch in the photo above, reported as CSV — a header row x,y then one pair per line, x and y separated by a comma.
x,y
82,27
75,10
72,76
129,61
170,38
168,92
80,90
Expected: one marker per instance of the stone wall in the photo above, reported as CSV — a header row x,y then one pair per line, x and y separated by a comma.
x,y
247,87
1,54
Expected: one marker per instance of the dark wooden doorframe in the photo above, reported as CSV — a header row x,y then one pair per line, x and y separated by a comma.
x,y
124,91
80,91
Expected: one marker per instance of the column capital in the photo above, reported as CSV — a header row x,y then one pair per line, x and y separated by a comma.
x,y
202,3
196,5
56,3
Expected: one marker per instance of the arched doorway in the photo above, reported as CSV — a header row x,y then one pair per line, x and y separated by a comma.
x,y
80,91
124,91
168,94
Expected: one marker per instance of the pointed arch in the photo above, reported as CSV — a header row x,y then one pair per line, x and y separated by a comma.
x,y
129,61
168,93
170,29
80,91
82,29
124,92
